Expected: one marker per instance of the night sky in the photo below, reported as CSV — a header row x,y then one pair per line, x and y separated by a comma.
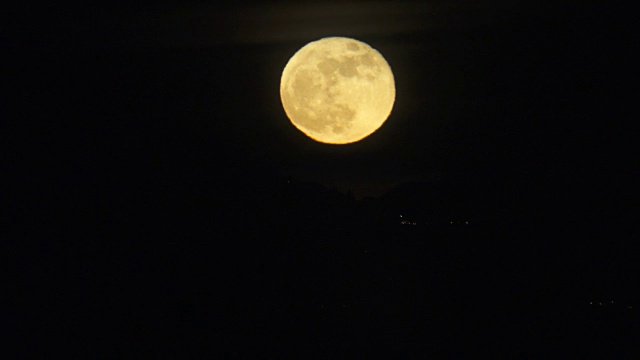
x,y
491,92
155,119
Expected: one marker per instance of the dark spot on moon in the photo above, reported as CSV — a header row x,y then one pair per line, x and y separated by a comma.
x,y
367,60
348,68
353,46
342,118
304,86
328,66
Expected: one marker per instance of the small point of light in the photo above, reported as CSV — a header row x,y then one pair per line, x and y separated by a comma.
x,y
591,302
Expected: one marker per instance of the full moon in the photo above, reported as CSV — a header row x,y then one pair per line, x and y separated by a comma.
x,y
337,90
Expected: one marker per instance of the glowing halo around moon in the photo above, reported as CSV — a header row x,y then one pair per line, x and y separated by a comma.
x,y
337,90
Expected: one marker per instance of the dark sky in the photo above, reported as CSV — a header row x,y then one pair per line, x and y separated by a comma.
x,y
489,94
147,156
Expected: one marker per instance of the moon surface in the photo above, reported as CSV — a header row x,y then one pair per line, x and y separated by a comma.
x,y
337,90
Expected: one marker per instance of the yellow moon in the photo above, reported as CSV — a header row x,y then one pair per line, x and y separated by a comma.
x,y
337,90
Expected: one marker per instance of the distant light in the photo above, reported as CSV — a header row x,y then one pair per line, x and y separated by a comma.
x,y
466,223
591,302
